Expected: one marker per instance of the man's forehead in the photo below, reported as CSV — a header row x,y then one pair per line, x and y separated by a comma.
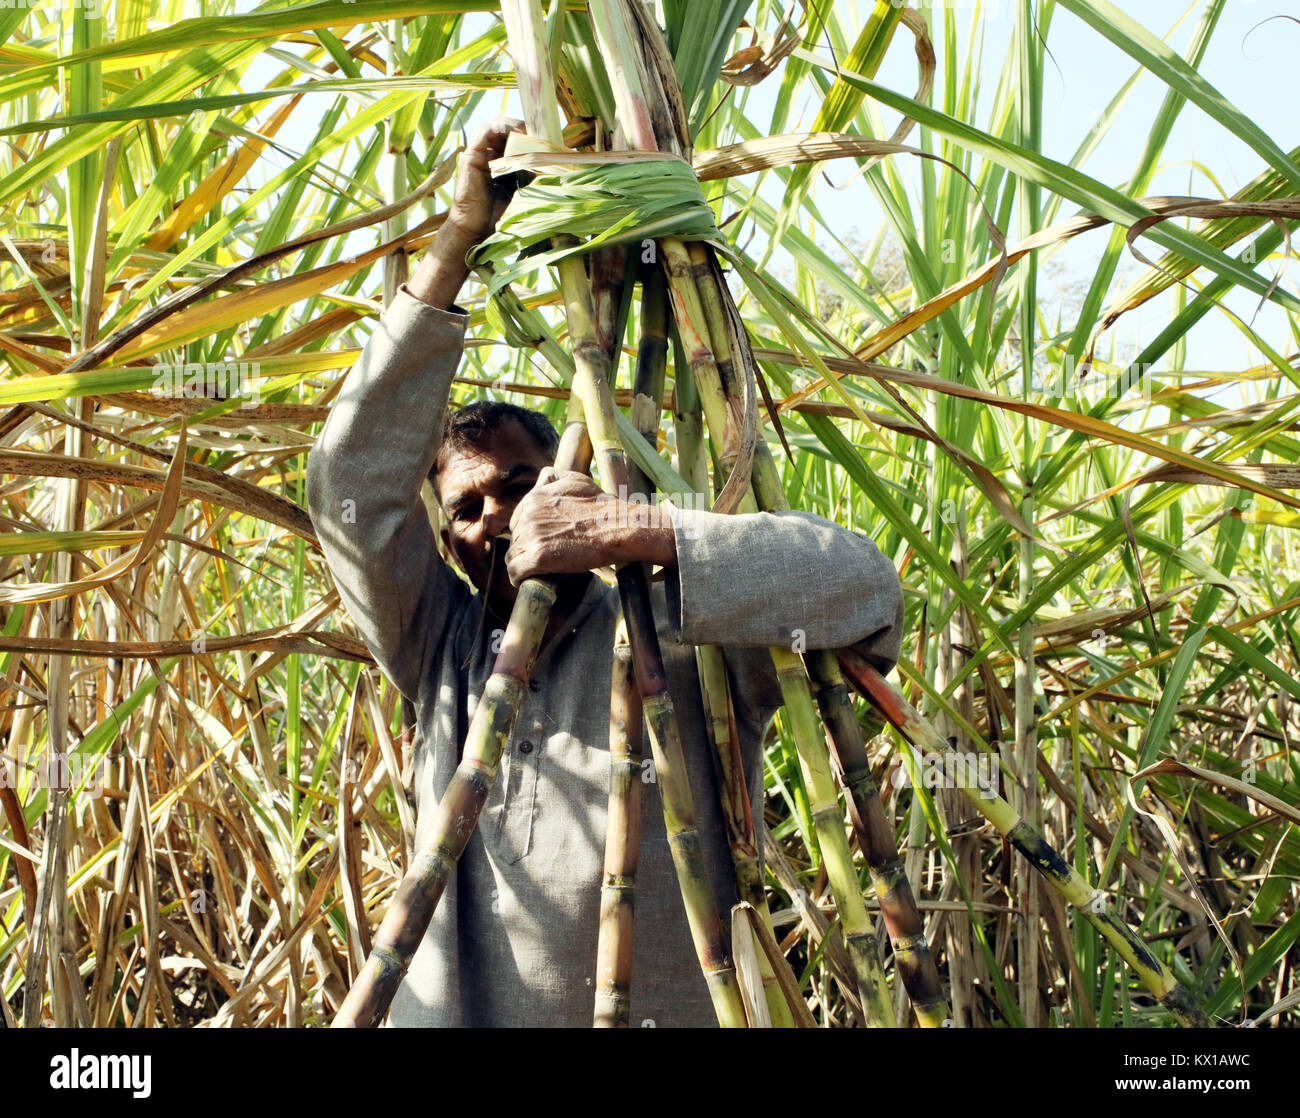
x,y
470,469
473,469
488,460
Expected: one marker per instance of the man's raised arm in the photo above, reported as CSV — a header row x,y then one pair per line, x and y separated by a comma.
x,y
379,443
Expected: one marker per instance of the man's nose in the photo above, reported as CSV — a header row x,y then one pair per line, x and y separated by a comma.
x,y
496,518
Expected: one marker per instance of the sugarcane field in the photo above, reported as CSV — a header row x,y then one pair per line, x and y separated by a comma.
x,y
650,514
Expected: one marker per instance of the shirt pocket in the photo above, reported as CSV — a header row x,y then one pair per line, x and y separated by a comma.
x,y
512,836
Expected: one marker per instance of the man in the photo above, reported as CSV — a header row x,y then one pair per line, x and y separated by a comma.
x,y
513,941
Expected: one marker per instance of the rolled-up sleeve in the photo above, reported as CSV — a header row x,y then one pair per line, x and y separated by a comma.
x,y
788,578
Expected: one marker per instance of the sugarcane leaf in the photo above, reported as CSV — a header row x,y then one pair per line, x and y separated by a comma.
x,y
1065,181
265,22
186,106
1263,959
1127,34
843,100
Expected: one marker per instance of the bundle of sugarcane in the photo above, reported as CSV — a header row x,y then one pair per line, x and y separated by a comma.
x,y
648,195
413,907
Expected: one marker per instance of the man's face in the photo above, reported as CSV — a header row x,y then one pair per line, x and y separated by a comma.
x,y
478,488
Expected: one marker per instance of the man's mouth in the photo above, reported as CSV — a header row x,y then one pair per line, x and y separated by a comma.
x,y
495,589
498,582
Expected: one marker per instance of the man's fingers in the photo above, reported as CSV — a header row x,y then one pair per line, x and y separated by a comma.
x,y
504,124
490,143
516,570
493,135
550,476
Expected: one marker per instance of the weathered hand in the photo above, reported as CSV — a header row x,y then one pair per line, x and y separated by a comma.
x,y
480,200
477,207
564,525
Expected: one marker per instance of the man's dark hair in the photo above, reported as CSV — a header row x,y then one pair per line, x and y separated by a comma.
x,y
474,424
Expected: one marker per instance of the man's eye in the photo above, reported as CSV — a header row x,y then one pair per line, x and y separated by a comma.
x,y
466,514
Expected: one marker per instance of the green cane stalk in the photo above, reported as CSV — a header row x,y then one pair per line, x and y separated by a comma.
x,y
810,744
719,715
723,414
623,817
1059,874
912,954
417,897
537,90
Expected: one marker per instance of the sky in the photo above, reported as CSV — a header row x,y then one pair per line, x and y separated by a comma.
x,y
1250,59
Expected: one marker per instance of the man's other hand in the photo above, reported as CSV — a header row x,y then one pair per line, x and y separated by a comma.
x,y
480,200
566,525
478,205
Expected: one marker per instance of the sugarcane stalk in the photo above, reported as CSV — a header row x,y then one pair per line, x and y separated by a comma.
x,y
733,793
912,954
524,29
688,313
651,365
809,744
621,49
828,822
610,280
623,824
692,304
719,720
661,720
646,407
720,724
678,805
1059,874
622,844
688,423
791,998
719,716
417,897
768,494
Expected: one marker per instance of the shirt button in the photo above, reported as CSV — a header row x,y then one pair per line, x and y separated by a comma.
x,y
533,685
525,747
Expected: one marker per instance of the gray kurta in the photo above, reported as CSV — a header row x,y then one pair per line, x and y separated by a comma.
x,y
513,941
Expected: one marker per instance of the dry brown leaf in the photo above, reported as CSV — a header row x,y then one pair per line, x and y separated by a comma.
x,y
1180,768
167,505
